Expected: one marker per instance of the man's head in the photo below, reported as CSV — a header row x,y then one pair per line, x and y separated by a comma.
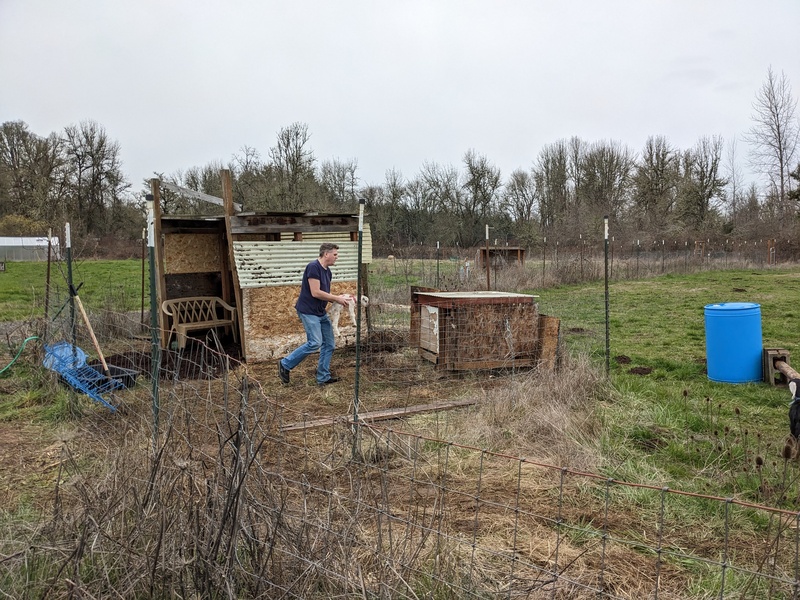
x,y
328,253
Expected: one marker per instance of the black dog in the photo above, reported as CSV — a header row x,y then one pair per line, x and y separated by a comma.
x,y
794,408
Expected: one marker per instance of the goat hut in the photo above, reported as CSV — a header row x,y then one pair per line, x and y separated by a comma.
x,y
478,330
253,261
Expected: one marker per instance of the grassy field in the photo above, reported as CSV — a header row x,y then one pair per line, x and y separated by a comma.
x,y
656,420
667,420
668,424
107,283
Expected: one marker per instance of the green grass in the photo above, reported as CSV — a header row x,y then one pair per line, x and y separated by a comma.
x,y
673,426
113,284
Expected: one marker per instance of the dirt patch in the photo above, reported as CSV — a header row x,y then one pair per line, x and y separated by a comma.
x,y
640,371
196,361
578,330
621,359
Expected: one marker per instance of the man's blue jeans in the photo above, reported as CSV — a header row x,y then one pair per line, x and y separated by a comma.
x,y
319,334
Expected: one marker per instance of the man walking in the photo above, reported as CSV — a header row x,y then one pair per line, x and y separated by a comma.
x,y
315,293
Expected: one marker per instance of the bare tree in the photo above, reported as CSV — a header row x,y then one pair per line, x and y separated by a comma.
x,y
735,195
655,182
423,204
393,213
551,175
338,178
577,149
701,183
480,197
31,174
442,188
95,169
605,182
519,202
250,179
293,160
519,197
774,135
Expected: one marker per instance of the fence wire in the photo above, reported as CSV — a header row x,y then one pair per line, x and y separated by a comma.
x,y
239,487
231,504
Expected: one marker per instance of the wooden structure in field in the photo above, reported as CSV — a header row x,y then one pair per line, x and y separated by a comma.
x,y
482,330
252,261
501,256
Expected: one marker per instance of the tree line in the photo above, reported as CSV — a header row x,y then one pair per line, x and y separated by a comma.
x,y
658,190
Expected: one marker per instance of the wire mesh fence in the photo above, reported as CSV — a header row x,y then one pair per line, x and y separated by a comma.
x,y
217,481
242,494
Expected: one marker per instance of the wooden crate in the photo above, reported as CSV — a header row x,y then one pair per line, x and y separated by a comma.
x,y
481,330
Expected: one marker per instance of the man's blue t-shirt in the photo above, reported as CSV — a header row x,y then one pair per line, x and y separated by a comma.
x,y
306,303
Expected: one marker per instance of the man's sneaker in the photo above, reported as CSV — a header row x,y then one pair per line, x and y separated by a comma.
x,y
283,373
328,382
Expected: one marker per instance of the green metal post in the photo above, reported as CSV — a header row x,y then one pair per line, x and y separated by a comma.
x,y
437,265
608,337
155,354
361,203
71,287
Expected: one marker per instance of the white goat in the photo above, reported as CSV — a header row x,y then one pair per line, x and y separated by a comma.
x,y
336,311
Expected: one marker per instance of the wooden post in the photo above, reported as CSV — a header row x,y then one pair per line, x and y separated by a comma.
x,y
788,371
91,334
227,197
161,282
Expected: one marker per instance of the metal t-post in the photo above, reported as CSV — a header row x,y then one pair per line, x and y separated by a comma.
x,y
361,203
437,264
73,331
608,340
155,354
488,274
47,284
544,257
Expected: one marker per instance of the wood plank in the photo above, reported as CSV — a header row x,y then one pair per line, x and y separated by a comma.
x,y
198,195
788,371
379,415
227,194
428,355
549,334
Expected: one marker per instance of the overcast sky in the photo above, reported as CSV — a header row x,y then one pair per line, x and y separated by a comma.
x,y
181,83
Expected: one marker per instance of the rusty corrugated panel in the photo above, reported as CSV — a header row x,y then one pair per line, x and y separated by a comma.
x,y
336,238
260,264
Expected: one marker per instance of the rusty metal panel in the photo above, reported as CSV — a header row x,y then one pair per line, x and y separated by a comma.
x,y
261,264
473,298
337,238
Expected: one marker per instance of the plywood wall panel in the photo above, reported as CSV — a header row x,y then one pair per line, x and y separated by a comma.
x,y
192,252
271,326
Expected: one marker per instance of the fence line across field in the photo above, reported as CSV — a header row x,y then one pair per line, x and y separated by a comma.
x,y
354,507
373,510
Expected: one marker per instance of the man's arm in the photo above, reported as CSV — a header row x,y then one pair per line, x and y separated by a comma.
x,y
313,285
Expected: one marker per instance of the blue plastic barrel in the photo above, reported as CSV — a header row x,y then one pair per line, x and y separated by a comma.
x,y
733,342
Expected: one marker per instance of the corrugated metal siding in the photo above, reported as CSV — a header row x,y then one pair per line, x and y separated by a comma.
x,y
261,264
336,238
